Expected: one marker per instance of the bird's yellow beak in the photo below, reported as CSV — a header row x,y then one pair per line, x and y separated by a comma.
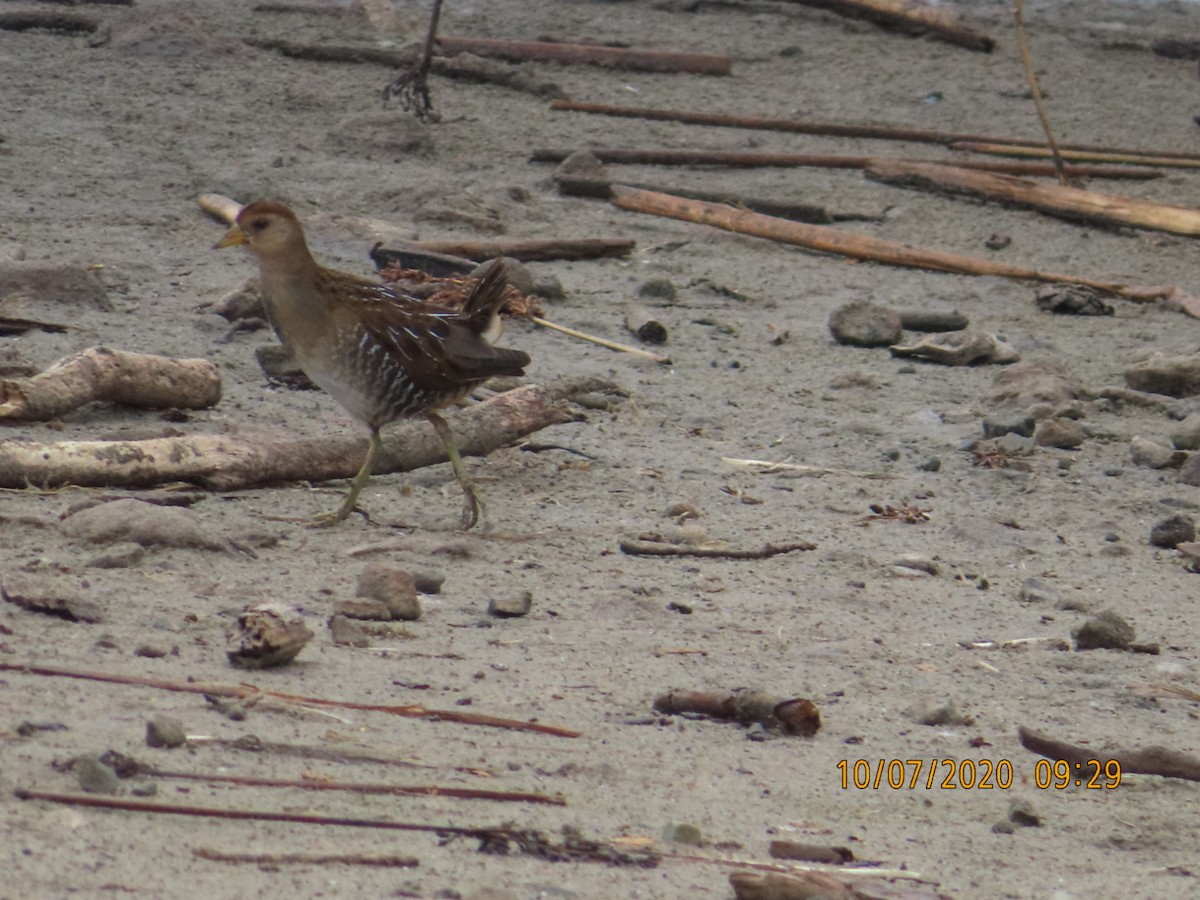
x,y
232,238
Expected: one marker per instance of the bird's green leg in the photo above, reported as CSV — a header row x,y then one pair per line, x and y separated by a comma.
x,y
363,476
473,511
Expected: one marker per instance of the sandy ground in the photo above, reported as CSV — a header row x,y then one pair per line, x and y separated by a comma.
x,y
105,150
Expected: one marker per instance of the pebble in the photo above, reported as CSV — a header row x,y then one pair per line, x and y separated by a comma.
x,y
1015,444
1072,300
1189,471
1172,531
1035,591
96,777
1187,435
165,731
392,586
53,596
37,281
863,324
1149,455
1104,631
1061,433
918,563
150,651
270,634
1002,423
933,464
660,289
120,555
959,348
147,524
1035,381
365,608
281,368
347,632
1174,376
244,302
932,320
946,714
1021,812
683,833
511,605
429,582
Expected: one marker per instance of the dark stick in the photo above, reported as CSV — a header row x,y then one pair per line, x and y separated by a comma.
x,y
306,859
591,54
241,691
913,17
661,548
412,87
360,788
1151,761
830,129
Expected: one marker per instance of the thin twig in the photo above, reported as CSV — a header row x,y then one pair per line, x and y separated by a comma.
x,y
662,548
611,345
306,859
766,467
1036,91
244,691
458,793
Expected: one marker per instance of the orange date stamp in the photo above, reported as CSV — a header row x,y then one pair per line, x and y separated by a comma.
x,y
973,774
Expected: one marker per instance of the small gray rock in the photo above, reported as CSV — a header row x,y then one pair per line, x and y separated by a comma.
x,y
1021,812
661,290
1104,631
1034,591
945,715
1061,433
863,324
142,523
1172,531
393,586
150,651
512,605
121,555
363,608
1175,376
683,833
1149,455
428,582
1187,435
1189,471
46,594
1002,423
96,777
165,731
1016,445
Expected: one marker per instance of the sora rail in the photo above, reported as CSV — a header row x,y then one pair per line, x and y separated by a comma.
x,y
381,354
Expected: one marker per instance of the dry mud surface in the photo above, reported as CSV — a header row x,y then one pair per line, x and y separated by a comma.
x,y
105,150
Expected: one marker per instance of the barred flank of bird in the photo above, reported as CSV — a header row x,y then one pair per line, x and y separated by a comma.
x,y
380,353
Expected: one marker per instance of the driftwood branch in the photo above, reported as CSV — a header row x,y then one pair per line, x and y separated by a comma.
x,y
850,130
1035,89
857,246
1151,761
111,376
249,691
745,159
1056,200
588,54
229,462
911,16
794,715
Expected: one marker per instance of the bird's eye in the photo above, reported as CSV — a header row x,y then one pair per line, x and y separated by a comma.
x,y
258,226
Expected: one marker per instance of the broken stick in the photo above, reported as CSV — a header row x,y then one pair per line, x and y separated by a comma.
x,y
111,376
911,16
1064,202
1151,761
223,462
653,545
857,246
792,715
532,249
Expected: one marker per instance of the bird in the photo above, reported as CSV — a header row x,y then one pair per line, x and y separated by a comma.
x,y
380,353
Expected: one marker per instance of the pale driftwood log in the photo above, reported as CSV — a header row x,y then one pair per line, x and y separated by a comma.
x,y
228,462
111,376
1053,199
858,246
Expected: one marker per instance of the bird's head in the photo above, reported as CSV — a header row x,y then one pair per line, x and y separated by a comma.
x,y
268,228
